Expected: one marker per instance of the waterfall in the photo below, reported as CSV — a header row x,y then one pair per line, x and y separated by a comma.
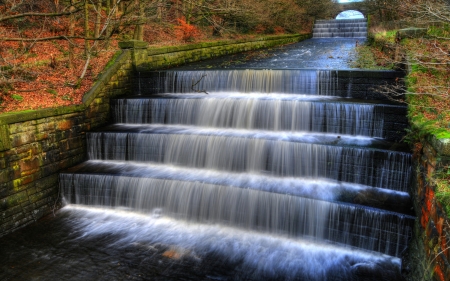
x,y
349,28
265,159
262,112
307,82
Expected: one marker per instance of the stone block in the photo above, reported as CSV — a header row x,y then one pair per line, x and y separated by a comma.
x,y
14,199
5,143
10,212
133,44
411,32
22,139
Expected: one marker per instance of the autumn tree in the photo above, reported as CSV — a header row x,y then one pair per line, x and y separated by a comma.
x,y
60,21
382,10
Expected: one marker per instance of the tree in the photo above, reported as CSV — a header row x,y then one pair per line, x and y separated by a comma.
x,y
383,10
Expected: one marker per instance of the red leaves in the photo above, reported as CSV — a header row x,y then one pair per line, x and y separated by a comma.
x,y
186,32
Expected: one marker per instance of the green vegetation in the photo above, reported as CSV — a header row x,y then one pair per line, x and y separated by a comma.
x,y
17,97
427,88
367,59
52,91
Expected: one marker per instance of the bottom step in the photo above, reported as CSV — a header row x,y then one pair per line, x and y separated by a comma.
x,y
221,253
281,214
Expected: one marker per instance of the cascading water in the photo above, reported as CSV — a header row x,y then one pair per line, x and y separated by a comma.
x,y
349,28
264,169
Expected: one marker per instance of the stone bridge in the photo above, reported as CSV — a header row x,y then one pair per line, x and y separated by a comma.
x,y
357,6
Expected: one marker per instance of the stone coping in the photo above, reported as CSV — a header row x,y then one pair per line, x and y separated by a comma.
x,y
172,49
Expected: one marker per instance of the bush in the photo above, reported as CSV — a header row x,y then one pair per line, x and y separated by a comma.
x,y
186,32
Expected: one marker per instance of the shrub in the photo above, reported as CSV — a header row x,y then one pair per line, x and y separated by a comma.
x,y
186,32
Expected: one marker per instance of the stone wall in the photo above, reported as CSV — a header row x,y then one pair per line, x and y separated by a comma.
x,y
36,145
429,253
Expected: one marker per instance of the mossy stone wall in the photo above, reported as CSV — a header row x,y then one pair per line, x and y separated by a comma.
x,y
36,145
429,253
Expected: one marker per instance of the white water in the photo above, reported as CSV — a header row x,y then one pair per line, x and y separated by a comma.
x,y
256,153
264,112
241,176
264,256
251,209
340,28
305,82
316,188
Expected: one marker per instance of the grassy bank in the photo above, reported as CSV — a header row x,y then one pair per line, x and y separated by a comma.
x,y
426,87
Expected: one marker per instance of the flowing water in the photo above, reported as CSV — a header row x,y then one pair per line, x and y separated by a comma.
x,y
249,175
340,28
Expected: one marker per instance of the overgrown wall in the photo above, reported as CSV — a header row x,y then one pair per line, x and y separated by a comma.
x,y
429,253
36,145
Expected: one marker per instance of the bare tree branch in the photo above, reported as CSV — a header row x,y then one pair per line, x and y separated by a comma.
x,y
195,84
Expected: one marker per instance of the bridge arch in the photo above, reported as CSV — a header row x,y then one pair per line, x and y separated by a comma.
x,y
350,14
351,6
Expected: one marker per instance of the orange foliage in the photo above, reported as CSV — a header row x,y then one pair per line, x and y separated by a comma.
x,y
186,32
41,77
279,30
259,29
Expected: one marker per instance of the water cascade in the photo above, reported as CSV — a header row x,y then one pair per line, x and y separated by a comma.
x,y
276,171
340,28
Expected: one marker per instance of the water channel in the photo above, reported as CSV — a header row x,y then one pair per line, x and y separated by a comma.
x,y
264,176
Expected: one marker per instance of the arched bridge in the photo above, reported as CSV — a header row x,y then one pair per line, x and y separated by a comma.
x,y
351,6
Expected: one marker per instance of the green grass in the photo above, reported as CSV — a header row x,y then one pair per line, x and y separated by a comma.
x,y
386,36
366,59
428,114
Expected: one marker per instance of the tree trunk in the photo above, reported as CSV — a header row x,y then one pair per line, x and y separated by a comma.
x,y
71,33
139,28
98,19
159,10
86,28
109,22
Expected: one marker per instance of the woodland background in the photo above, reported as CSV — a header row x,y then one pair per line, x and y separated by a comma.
x,y
51,51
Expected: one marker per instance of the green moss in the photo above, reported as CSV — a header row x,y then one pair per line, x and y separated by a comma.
x,y
443,189
441,31
52,91
112,60
17,97
365,59
418,68
385,36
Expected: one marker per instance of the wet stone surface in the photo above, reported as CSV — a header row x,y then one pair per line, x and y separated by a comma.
x,y
317,53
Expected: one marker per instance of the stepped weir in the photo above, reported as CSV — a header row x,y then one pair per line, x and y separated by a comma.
x,y
340,28
281,173
292,174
